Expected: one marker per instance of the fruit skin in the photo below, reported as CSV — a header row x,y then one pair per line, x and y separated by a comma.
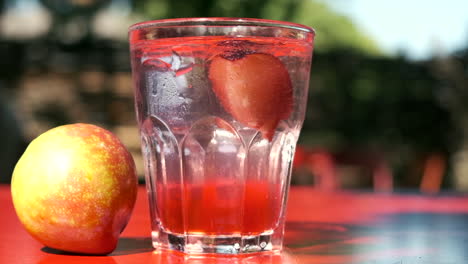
x,y
255,88
74,189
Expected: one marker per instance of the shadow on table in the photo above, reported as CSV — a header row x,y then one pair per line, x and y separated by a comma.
x,y
168,257
133,245
391,238
125,246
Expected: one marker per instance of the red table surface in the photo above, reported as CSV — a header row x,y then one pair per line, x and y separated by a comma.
x,y
322,227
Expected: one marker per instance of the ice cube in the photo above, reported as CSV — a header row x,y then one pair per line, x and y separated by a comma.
x,y
155,63
178,64
176,61
178,90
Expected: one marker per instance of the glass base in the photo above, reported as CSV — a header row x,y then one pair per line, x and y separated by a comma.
x,y
209,244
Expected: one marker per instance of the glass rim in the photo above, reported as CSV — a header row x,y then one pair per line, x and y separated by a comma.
x,y
220,21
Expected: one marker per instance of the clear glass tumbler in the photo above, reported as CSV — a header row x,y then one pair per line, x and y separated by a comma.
x,y
220,103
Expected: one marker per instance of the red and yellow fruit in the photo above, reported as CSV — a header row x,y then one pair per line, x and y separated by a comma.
x,y
74,189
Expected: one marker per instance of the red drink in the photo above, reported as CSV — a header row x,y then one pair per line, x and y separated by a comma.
x,y
215,209
219,117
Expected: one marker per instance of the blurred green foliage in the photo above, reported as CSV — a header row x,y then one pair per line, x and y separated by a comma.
x,y
364,102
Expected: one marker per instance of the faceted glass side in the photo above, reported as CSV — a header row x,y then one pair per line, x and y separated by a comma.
x,y
217,141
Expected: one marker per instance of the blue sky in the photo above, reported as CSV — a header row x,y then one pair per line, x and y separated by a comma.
x,y
417,28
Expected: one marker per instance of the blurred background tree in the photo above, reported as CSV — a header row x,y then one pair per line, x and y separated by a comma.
x,y
362,100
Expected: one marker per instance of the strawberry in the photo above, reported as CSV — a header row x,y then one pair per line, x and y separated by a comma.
x,y
254,88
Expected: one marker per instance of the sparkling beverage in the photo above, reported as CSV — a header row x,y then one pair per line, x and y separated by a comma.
x,y
220,107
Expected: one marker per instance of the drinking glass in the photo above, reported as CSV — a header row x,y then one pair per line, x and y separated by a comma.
x,y
220,103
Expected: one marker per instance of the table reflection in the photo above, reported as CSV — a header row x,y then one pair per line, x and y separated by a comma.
x,y
170,257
